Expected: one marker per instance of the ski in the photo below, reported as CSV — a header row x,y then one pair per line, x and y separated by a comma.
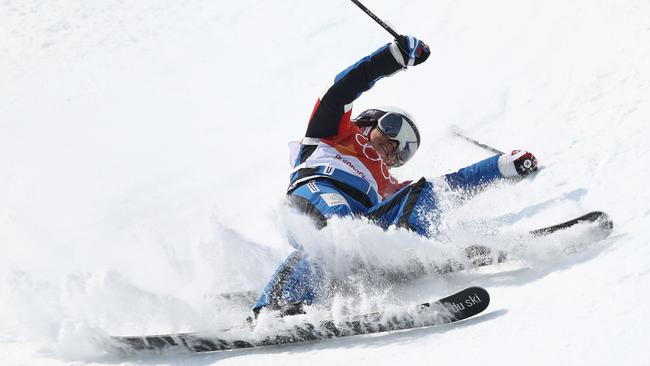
x,y
459,306
481,255
600,218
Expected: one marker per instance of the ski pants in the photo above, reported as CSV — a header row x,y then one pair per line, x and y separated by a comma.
x,y
298,280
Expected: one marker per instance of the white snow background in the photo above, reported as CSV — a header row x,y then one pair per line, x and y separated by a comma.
x,y
143,164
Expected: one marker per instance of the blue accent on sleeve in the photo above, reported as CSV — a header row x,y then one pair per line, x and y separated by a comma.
x,y
476,175
349,85
343,73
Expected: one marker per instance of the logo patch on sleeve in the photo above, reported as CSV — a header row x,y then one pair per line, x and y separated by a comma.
x,y
313,188
333,199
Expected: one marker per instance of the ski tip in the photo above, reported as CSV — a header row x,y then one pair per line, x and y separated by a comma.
x,y
480,291
467,303
602,219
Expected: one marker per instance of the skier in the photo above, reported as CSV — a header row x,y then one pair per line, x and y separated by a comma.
x,y
342,168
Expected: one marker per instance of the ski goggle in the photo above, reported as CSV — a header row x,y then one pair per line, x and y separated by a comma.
x,y
402,130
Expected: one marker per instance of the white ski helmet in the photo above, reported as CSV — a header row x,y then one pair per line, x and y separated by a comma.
x,y
396,125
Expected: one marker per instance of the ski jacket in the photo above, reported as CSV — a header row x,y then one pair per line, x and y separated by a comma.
x,y
336,149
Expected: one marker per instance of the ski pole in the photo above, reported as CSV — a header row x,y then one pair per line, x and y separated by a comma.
x,y
477,143
376,18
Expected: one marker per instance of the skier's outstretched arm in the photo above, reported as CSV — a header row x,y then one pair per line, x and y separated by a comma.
x,y
332,111
475,177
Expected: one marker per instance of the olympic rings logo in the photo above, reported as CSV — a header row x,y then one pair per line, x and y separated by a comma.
x,y
371,154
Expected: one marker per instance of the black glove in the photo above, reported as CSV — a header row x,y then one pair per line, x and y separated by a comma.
x,y
412,51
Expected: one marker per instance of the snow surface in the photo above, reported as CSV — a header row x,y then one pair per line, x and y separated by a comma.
x,y
143,164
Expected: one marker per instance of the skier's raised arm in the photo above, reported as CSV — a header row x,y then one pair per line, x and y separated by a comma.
x,y
332,111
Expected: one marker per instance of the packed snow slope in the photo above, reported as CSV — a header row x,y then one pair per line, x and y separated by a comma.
x,y
143,163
